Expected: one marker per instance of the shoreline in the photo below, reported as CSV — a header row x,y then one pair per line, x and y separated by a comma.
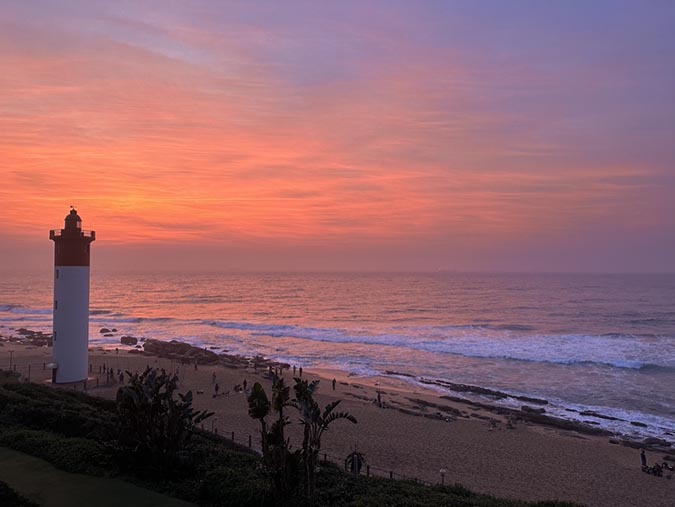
x,y
469,397
416,432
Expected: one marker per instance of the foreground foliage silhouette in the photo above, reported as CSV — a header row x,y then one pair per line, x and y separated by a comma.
x,y
156,422
282,464
78,433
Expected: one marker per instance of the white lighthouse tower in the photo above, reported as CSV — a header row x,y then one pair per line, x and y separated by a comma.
x,y
71,300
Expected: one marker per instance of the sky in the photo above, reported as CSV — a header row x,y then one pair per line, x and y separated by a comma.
x,y
352,135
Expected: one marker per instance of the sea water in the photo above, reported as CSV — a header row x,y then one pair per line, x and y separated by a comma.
x,y
604,343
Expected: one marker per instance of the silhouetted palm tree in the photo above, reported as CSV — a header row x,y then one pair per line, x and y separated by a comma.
x,y
315,422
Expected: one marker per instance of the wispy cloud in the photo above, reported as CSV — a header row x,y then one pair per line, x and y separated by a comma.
x,y
210,125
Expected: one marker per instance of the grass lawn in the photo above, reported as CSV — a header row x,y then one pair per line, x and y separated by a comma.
x,y
40,482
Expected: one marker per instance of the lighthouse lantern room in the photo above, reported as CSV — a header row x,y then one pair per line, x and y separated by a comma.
x,y
71,300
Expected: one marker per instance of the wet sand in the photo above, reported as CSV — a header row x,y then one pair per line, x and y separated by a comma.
x,y
416,433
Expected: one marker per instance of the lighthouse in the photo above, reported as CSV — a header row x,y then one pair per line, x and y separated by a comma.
x,y
72,246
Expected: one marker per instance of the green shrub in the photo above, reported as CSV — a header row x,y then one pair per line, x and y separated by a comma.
x,y
77,455
234,486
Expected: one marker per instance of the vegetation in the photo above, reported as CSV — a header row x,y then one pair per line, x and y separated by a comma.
x,y
76,432
315,422
155,424
281,464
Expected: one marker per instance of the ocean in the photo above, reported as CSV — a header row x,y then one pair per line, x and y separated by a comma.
x,y
599,343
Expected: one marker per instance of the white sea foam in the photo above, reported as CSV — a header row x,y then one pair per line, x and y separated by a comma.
x,y
616,350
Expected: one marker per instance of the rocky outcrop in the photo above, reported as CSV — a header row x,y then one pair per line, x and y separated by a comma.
x,y
180,351
532,410
104,330
128,340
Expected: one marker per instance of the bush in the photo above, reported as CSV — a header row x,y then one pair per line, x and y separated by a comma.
x,y
77,455
60,411
235,486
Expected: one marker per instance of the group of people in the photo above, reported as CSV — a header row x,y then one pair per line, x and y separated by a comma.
x,y
112,377
238,388
657,469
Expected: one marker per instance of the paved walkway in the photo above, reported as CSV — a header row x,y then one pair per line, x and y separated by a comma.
x,y
40,482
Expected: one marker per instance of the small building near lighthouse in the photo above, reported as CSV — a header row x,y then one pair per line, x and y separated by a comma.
x,y
72,246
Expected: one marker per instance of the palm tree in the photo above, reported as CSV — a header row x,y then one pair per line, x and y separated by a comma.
x,y
259,408
355,461
315,422
281,464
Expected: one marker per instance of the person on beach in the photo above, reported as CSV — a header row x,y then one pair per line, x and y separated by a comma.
x,y
217,388
379,399
244,383
300,371
643,458
333,384
294,370
121,378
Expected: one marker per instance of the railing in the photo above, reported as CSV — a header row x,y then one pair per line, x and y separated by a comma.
x,y
56,233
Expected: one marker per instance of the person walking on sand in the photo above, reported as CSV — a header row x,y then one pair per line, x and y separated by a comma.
x,y
300,371
643,458
333,384
244,383
216,388
379,399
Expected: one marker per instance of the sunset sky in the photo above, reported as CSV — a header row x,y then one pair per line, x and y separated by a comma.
x,y
269,135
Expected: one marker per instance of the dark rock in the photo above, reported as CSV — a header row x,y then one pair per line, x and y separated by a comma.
x,y
134,351
128,340
104,330
598,415
108,335
443,408
638,423
536,418
138,347
527,399
114,330
181,351
614,441
25,332
398,373
656,441
668,457
632,444
532,410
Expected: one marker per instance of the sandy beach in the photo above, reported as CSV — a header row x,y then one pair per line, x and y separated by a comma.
x,y
416,433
